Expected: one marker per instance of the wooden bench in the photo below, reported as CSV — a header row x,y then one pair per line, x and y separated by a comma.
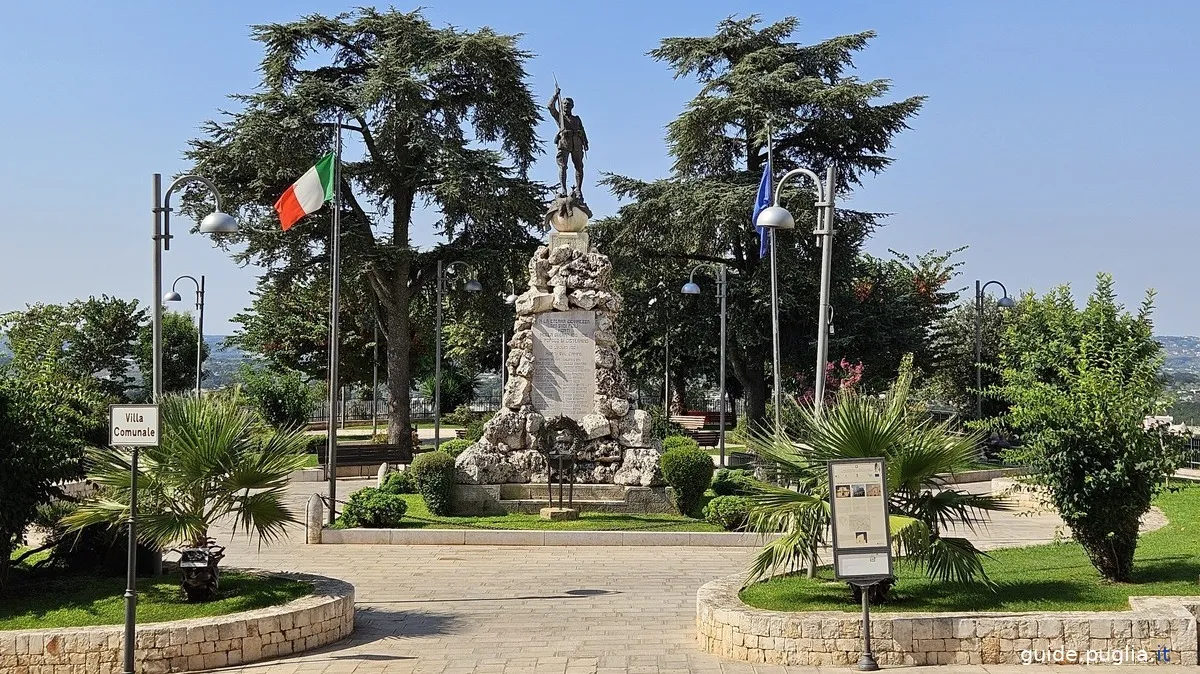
x,y
689,422
714,419
460,434
366,455
706,438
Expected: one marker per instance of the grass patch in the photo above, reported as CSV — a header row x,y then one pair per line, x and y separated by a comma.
x,y
310,461
419,517
57,599
1051,577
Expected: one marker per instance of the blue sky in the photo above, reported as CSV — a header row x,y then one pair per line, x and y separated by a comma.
x,y
1059,139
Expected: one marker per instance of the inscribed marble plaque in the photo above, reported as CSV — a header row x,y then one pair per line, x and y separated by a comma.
x,y
564,363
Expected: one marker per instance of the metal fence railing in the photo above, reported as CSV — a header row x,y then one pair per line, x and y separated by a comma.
x,y
1192,458
421,409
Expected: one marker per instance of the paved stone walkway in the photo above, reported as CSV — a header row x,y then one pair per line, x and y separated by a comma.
x,y
531,609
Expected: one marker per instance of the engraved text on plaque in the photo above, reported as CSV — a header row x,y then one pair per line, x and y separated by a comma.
x,y
564,363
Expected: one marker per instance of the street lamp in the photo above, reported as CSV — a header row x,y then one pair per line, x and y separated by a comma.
x,y
175,297
1005,302
473,286
776,217
213,223
690,288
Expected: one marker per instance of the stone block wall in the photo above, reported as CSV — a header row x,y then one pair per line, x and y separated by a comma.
x,y
1157,630
188,645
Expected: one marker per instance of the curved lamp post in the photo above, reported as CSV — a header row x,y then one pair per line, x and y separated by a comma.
x,y
1005,302
775,218
174,296
473,286
213,223
690,288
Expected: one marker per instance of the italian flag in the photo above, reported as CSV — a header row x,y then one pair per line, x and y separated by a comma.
x,y
307,194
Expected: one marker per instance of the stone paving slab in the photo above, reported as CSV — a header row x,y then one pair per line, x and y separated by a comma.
x,y
562,609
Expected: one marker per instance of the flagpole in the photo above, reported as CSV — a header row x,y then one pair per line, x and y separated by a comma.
x,y
335,254
774,288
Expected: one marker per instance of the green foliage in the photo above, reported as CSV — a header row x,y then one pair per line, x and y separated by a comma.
x,y
85,338
216,459
434,474
458,387
46,417
731,513
1080,384
455,447
679,442
821,112
446,122
284,398
374,509
474,430
462,415
179,342
735,482
661,425
952,380
689,471
400,482
916,450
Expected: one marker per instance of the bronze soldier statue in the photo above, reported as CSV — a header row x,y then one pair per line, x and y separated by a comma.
x,y
571,140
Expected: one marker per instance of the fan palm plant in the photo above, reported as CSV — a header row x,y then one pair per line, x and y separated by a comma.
x,y
216,459
917,451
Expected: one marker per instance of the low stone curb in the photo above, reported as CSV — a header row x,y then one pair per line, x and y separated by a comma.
x,y
304,624
539,538
727,627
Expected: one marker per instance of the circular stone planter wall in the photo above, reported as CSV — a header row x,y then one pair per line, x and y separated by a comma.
x,y
729,628
188,645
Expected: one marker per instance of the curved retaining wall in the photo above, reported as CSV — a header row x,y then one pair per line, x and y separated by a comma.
x,y
729,628
189,645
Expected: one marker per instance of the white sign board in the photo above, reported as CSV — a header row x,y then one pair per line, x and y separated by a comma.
x,y
858,504
564,363
133,426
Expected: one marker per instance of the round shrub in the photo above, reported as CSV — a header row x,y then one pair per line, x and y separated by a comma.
x,y
434,475
399,483
679,442
374,508
733,482
474,430
455,447
689,471
731,513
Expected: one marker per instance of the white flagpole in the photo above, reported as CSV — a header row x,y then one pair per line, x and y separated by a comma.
x,y
777,398
335,254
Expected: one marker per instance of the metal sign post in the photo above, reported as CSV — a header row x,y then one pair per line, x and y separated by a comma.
x,y
132,426
862,551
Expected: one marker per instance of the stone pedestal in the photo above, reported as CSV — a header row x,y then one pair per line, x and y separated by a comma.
x,y
573,240
563,360
558,514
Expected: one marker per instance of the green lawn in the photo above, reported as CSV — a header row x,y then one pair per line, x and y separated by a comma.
x,y
310,461
1051,577
56,599
419,517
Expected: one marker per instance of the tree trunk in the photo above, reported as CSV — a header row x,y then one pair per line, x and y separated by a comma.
x,y
678,394
399,346
1109,547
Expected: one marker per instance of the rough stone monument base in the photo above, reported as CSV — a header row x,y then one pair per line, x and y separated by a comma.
x,y
559,514
529,499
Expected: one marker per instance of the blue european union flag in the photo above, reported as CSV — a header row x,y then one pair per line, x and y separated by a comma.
x,y
763,200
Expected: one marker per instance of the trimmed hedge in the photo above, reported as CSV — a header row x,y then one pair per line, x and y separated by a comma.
x,y
731,513
434,476
455,447
399,483
679,442
374,509
733,482
689,472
